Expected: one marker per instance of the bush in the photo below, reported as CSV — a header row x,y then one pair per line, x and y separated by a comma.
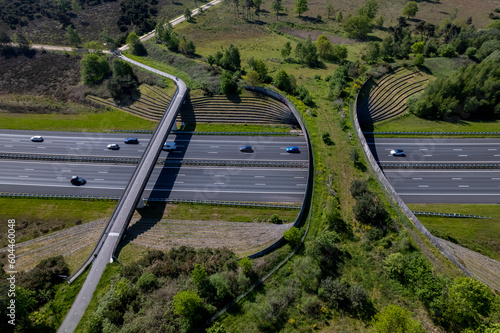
x,y
358,188
395,319
147,282
292,235
326,139
368,209
275,219
334,293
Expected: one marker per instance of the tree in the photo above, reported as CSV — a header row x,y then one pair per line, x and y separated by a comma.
x,y
187,304
358,26
418,48
122,68
380,21
340,52
373,52
467,302
260,67
369,209
73,38
253,78
186,46
187,14
369,9
220,284
227,85
419,60
306,52
135,45
282,81
307,272
277,7
216,328
330,10
410,9
394,319
339,17
231,58
286,50
292,235
199,276
93,68
246,265
325,48
300,6
147,282
257,4
93,47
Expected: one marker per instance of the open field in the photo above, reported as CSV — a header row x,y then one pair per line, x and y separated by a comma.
x,y
480,235
411,123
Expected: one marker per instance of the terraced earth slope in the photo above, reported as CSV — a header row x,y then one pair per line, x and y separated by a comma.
x,y
254,109
244,238
387,97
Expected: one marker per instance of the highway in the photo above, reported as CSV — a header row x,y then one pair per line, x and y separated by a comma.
x,y
190,147
446,186
436,150
285,185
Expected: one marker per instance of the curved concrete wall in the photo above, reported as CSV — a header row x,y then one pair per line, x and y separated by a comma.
x,y
310,177
390,190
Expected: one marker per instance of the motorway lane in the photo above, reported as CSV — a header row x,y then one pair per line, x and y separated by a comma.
x,y
446,186
201,147
436,150
199,183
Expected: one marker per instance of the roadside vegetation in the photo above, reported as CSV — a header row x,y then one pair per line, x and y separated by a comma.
x,y
363,267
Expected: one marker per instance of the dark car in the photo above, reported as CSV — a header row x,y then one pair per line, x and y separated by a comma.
x,y
292,149
131,141
75,180
246,149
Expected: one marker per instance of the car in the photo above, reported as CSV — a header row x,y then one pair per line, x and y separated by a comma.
x,y
169,146
131,141
246,149
397,152
37,138
75,180
113,146
293,149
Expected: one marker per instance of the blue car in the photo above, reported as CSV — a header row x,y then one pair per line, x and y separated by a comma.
x,y
293,149
131,140
246,149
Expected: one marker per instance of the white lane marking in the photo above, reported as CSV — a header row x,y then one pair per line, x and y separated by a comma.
x,y
98,179
463,155
457,178
141,150
219,183
79,148
418,178
457,149
214,146
260,184
496,155
463,185
301,184
299,177
177,182
113,234
423,185
41,147
61,177
495,178
8,145
65,170
423,149
212,152
29,169
428,155
262,176
23,176
287,154
181,174
102,172
492,149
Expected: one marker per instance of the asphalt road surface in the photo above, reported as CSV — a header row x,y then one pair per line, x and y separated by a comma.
x,y
192,147
446,186
436,150
198,183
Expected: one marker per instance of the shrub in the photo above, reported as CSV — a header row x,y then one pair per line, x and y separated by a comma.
x,y
358,188
326,139
293,235
334,293
369,209
395,319
147,282
275,219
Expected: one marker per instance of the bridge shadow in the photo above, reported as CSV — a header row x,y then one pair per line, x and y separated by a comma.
x,y
153,213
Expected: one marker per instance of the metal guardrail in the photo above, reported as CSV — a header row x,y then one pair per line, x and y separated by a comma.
x,y
207,133
440,165
135,160
69,158
451,215
224,203
434,133
57,196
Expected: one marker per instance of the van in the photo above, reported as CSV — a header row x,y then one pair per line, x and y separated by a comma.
x,y
169,146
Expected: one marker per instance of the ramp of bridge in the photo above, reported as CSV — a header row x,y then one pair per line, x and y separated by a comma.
x,y
102,253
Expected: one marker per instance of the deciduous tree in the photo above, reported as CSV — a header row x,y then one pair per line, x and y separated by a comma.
x,y
410,9
301,6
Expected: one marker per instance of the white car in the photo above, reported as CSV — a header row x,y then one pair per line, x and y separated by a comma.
x,y
169,146
397,152
37,138
113,146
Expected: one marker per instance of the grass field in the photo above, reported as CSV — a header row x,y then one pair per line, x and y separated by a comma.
x,y
35,217
92,122
481,235
412,123
223,127
214,213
